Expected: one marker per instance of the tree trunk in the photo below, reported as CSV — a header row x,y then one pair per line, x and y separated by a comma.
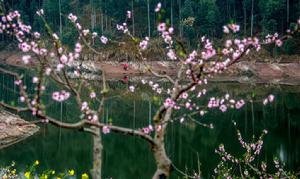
x,y
245,18
132,14
163,162
148,12
180,25
60,19
287,13
97,155
172,18
252,17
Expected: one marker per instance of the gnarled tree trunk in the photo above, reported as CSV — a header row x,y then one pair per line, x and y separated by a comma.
x,y
163,162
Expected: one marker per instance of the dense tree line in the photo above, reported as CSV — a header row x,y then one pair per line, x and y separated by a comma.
x,y
191,18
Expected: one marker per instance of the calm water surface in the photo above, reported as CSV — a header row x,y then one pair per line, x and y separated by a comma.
x,y
187,145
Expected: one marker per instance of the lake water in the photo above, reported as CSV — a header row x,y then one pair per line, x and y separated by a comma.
x,y
187,144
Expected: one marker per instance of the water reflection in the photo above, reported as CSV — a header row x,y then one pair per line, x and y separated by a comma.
x,y
190,146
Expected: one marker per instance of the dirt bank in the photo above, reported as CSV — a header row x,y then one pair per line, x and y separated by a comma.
x,y
251,71
11,132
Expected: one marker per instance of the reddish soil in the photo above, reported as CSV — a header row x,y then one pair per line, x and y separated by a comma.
x,y
260,71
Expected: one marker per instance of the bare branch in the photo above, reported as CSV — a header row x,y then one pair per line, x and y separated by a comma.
x,y
81,124
17,109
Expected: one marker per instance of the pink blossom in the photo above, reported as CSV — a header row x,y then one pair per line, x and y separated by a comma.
x,y
182,120
129,14
209,53
92,95
158,128
22,99
184,95
158,7
278,43
72,17
40,12
94,118
94,35
37,35
48,71
78,26
103,39
146,130
234,27
271,98
228,43
120,27
171,54
265,101
161,27
131,88
223,108
64,59
169,103
225,51
85,32
78,48
143,44
150,127
18,82
59,67
35,79
187,105
236,55
60,95
105,129
239,104
225,29
159,90
25,47
84,106
26,59
55,36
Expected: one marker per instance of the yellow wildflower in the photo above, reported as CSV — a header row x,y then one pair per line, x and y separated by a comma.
x,y
36,162
71,172
44,176
53,172
27,175
84,176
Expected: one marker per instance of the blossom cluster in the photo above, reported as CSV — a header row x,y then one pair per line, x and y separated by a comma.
x,y
233,27
154,86
273,38
269,99
247,167
60,96
224,103
88,113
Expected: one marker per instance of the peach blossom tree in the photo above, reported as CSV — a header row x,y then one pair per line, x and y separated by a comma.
x,y
55,62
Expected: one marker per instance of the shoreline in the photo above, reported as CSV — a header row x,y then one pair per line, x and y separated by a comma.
x,y
287,73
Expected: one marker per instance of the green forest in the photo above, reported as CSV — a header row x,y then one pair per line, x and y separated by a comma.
x,y
192,18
